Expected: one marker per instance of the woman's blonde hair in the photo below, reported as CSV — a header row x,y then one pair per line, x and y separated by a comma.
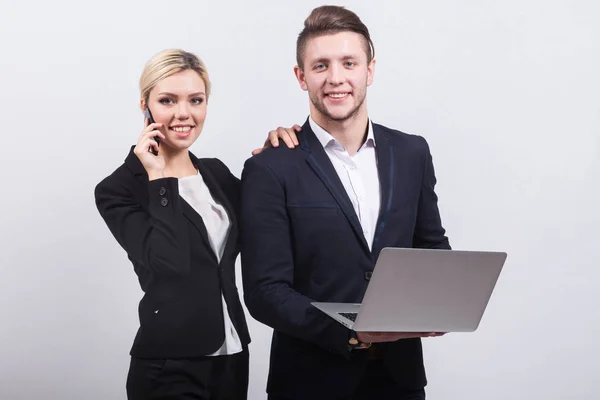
x,y
167,63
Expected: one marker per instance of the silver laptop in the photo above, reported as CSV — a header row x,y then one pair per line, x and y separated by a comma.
x,y
423,290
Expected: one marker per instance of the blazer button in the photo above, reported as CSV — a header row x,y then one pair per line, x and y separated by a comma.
x,y
162,191
164,202
368,275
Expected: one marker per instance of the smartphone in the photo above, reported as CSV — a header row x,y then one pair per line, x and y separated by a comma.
x,y
148,115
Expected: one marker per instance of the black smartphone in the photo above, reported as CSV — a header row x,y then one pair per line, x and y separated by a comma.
x,y
148,115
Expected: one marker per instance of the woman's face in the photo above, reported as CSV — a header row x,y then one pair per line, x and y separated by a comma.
x,y
179,103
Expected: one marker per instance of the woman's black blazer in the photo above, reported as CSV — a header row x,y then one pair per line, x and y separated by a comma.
x,y
181,313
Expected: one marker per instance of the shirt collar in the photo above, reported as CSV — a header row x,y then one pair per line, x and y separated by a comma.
x,y
326,139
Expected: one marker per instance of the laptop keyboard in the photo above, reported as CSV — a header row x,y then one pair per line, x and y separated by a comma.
x,y
350,315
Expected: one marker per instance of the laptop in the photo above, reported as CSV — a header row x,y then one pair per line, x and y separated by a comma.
x,y
423,290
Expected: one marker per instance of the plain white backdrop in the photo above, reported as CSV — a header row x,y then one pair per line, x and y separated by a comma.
x,y
506,93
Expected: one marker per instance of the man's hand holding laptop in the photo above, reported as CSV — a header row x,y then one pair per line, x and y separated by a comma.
x,y
381,337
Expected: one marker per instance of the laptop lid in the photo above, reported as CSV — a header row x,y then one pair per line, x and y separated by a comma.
x,y
426,290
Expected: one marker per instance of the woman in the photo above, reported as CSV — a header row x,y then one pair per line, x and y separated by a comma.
x,y
176,217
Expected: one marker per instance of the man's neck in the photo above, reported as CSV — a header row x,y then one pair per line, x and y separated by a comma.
x,y
350,133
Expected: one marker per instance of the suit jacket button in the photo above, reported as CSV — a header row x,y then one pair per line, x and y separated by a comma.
x,y
162,191
164,201
368,275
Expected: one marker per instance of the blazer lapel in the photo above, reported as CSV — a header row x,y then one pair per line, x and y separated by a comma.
x,y
215,190
197,221
319,161
385,167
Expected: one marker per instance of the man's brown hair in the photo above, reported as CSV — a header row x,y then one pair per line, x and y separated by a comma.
x,y
327,20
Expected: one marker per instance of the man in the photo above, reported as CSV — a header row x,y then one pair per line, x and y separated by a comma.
x,y
315,218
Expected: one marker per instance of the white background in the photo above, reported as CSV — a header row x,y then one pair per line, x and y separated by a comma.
x,y
506,93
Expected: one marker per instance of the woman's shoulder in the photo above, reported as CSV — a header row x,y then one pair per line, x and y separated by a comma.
x,y
219,170
214,164
118,181
122,177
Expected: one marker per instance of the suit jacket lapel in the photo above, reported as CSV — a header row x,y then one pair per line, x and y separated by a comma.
x,y
319,161
197,221
385,167
215,190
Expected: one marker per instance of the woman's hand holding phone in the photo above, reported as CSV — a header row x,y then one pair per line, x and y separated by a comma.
x,y
154,164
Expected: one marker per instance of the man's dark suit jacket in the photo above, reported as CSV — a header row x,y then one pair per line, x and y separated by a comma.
x,y
181,313
302,242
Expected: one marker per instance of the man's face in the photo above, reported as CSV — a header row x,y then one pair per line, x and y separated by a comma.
x,y
336,75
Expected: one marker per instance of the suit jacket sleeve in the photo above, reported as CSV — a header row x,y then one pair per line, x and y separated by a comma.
x,y
156,237
268,265
429,232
